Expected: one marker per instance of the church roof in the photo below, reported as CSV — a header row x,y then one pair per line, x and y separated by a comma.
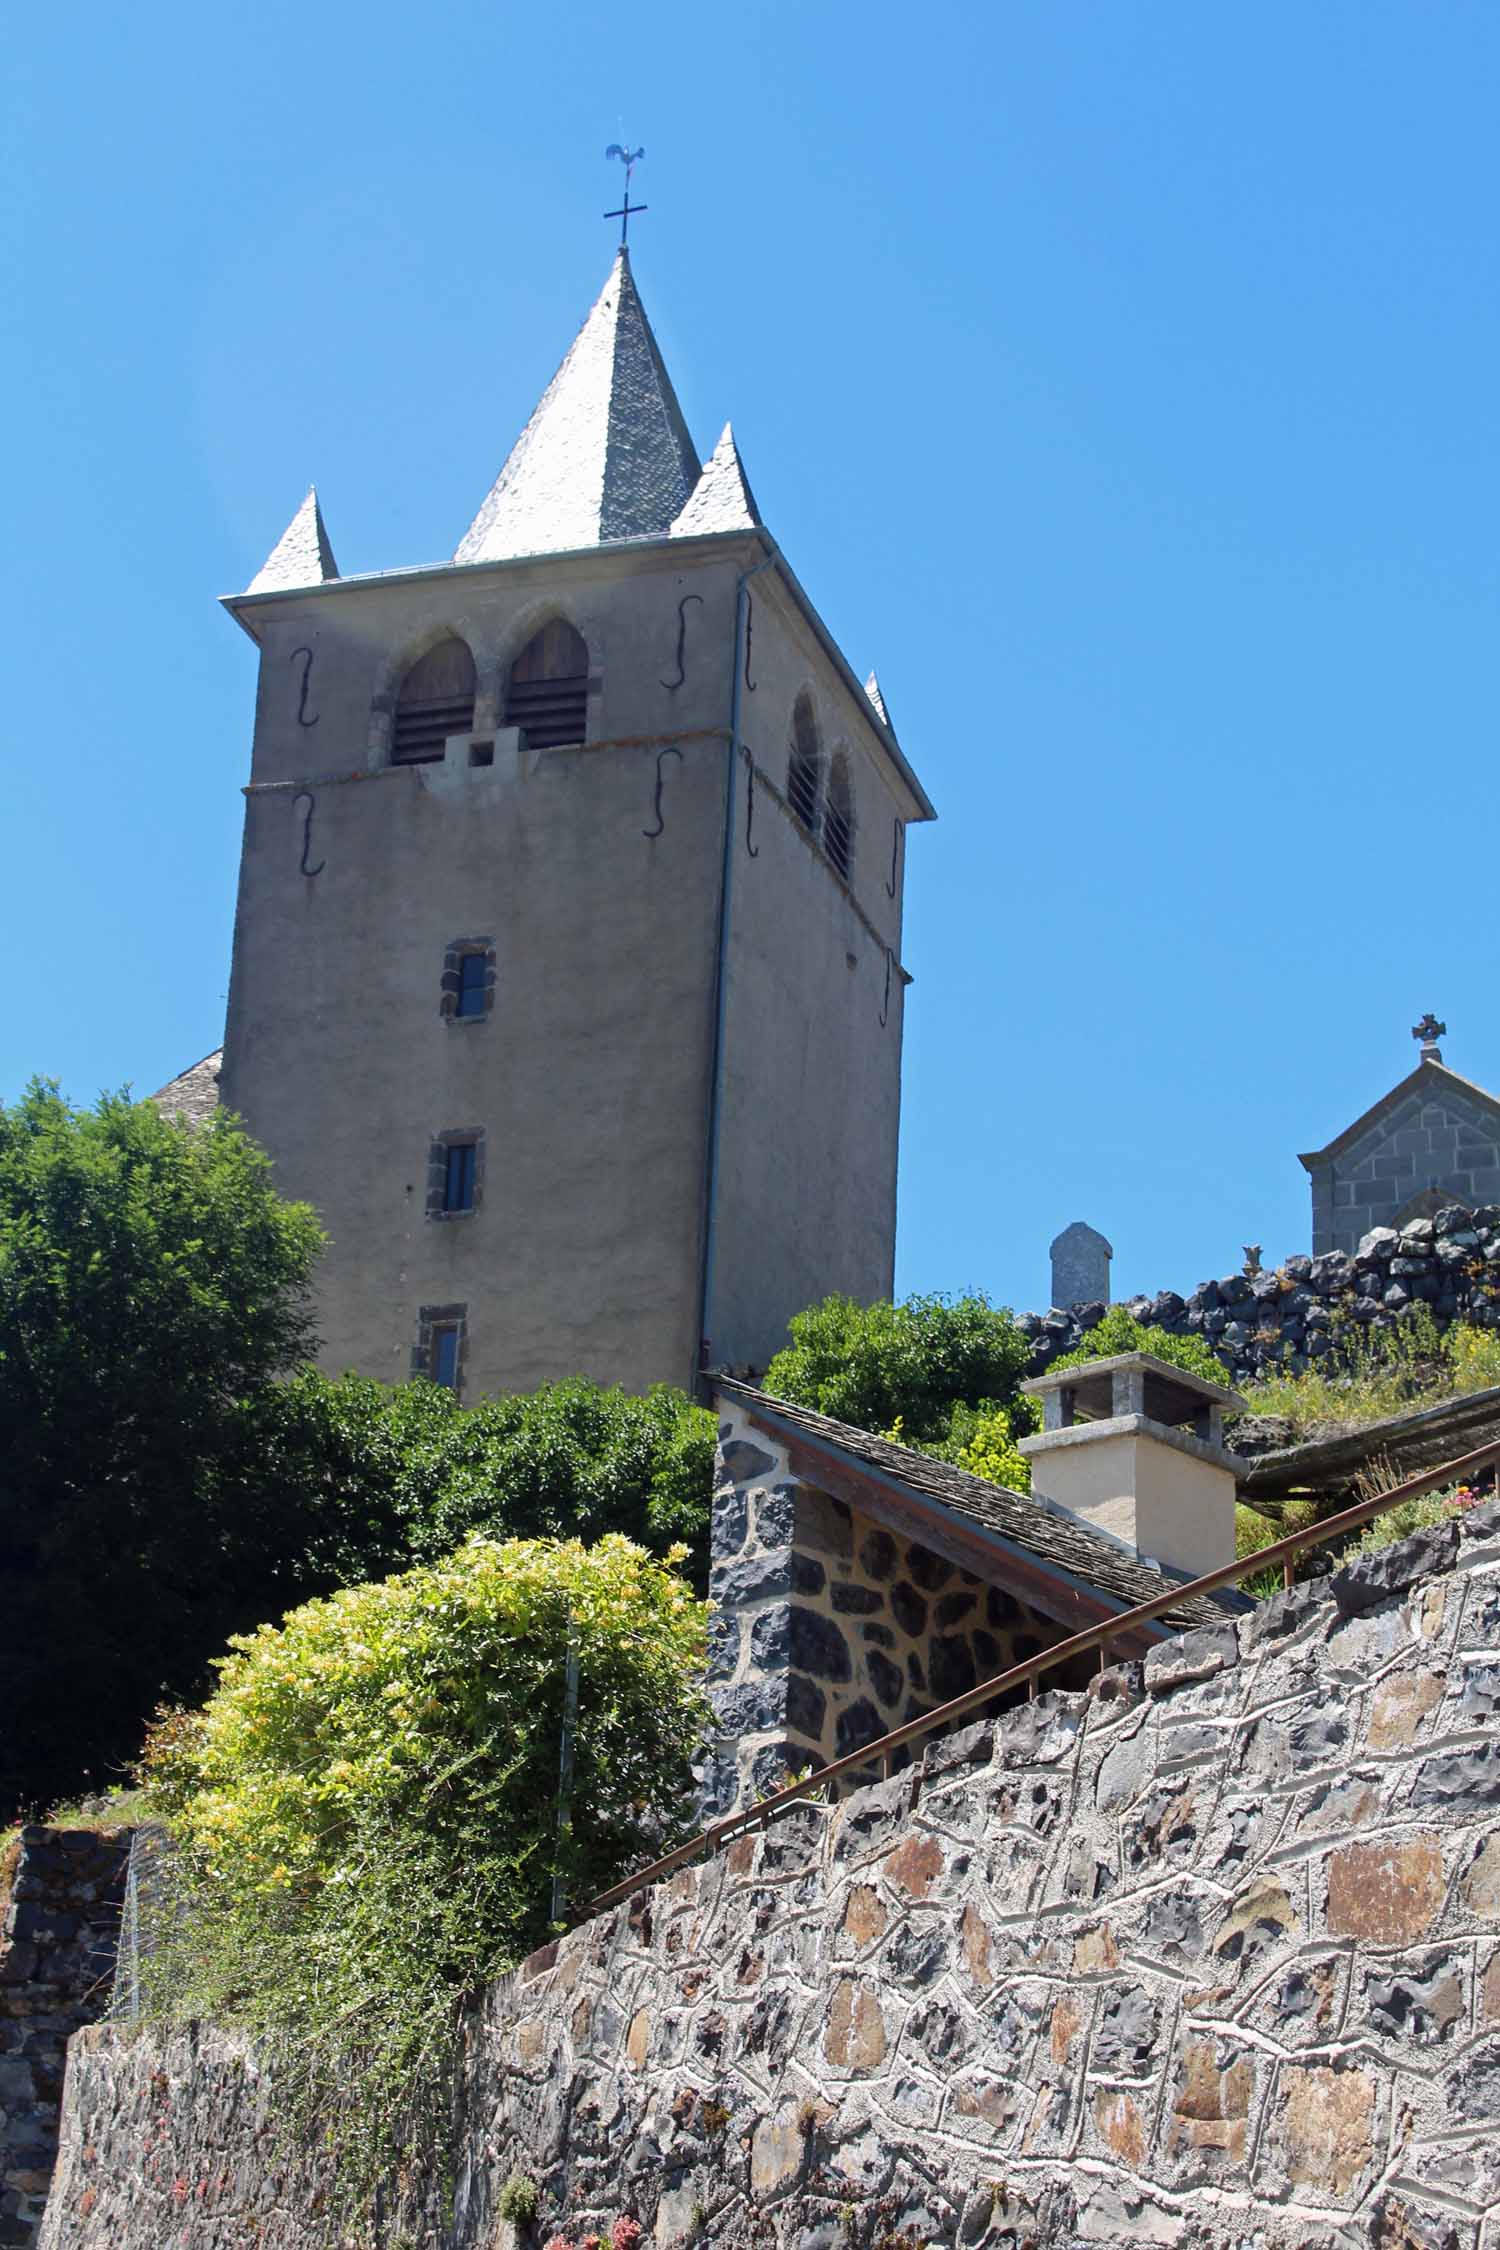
x,y
302,555
607,454
1432,1078
1021,1532
721,500
193,1095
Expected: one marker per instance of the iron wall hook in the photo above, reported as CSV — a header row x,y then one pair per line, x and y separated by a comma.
x,y
672,686
306,795
302,719
671,751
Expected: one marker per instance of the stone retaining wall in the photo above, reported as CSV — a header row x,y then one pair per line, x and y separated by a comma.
x,y
1208,1955
1287,1317
61,1907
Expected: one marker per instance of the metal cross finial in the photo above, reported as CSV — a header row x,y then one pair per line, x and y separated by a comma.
x,y
1429,1029
629,158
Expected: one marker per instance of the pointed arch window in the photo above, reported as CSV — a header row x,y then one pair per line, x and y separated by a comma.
x,y
436,700
548,693
804,766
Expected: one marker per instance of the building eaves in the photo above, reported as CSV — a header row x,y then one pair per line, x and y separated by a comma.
x,y
1432,1076
1048,1536
243,608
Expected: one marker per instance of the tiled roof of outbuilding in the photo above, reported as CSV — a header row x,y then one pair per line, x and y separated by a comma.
x,y
192,1095
1055,1539
607,454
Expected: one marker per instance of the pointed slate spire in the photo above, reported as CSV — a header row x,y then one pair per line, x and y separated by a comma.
x,y
721,500
606,455
301,556
872,690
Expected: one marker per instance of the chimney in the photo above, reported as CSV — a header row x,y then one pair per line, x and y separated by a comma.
x,y
1135,1447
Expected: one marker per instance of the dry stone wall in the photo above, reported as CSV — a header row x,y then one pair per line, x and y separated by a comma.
x,y
1288,1317
1208,1955
61,1910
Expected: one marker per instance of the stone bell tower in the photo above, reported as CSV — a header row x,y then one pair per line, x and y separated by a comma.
x,y
567,972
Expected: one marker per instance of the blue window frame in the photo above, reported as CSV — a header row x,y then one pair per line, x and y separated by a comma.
x,y
458,1176
471,973
445,1356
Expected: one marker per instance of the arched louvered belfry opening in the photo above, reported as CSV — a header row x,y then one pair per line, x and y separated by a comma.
x,y
436,700
804,765
548,693
838,815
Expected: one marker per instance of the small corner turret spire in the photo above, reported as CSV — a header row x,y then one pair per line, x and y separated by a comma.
x,y
629,158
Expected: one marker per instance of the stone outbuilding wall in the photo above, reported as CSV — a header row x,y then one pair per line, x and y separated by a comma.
x,y
61,1908
1288,1317
829,1629
1433,1139
1208,1955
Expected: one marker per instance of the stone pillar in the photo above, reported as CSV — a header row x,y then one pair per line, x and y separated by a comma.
x,y
1080,1267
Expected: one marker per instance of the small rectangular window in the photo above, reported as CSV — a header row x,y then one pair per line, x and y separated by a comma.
x,y
458,1177
444,1368
471,974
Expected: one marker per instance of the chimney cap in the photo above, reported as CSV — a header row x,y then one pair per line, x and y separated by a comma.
x,y
1177,1395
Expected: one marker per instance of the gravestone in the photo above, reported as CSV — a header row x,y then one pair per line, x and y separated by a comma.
x,y
1080,1267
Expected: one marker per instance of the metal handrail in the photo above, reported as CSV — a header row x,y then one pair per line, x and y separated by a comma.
x,y
1079,1644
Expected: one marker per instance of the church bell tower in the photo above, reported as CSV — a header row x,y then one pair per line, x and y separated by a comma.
x,y
567,975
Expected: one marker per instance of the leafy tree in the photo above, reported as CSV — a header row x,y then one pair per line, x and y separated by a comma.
x,y
882,1364
173,1473
150,1282
396,1472
1119,1331
367,1809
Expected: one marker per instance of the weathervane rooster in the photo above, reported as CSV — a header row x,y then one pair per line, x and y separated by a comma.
x,y
629,158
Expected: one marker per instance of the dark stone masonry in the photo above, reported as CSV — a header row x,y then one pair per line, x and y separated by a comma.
x,y
830,1630
1287,1318
60,1899
1206,1955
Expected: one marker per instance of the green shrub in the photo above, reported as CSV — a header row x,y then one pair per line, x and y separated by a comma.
x,y
1473,1356
517,2201
1119,1331
1370,1375
1252,1531
882,1364
367,1809
1408,1516
394,1473
1366,1376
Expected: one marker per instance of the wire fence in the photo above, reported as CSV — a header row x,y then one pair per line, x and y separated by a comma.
x,y
1095,1637
145,1882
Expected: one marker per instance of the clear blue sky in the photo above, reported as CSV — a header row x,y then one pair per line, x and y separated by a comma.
x,y
1121,379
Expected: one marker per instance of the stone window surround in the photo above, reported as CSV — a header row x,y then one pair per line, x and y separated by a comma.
x,y
457,1136
430,1318
455,951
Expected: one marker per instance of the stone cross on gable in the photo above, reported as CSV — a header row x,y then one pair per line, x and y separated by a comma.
x,y
1429,1031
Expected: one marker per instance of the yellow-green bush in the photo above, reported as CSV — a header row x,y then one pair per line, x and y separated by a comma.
x,y
991,1451
367,1808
